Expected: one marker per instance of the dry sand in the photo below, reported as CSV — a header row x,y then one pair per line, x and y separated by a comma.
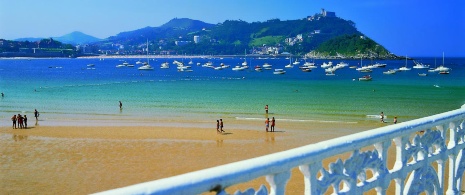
x,y
88,159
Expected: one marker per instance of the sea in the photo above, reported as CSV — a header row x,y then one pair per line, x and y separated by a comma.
x,y
69,92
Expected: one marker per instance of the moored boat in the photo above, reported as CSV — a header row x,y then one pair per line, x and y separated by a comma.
x,y
365,78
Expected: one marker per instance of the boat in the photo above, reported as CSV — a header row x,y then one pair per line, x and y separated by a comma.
x,y
245,59
238,68
90,65
279,71
442,68
138,62
290,65
443,72
146,65
365,78
404,68
120,66
390,72
190,62
419,65
330,74
306,70
165,65
422,74
258,68
296,62
267,66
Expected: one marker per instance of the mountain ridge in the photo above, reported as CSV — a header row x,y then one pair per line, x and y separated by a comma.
x,y
75,37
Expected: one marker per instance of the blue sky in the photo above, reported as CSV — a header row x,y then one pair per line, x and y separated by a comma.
x,y
404,27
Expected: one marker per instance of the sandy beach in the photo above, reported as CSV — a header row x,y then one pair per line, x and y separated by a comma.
x,y
88,159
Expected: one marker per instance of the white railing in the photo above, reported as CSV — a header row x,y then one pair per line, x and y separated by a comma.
x,y
422,149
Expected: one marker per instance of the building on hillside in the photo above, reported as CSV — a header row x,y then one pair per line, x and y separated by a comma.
x,y
181,43
323,13
196,39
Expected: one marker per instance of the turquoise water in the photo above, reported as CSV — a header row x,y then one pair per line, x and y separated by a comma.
x,y
64,90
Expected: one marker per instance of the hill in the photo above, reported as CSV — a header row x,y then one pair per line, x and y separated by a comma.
x,y
232,37
73,38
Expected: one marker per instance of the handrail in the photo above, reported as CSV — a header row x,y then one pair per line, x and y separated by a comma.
x,y
425,148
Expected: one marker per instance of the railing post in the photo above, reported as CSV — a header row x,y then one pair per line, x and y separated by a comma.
x,y
278,182
401,161
310,172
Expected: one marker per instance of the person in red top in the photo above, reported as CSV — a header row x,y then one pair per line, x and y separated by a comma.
x,y
267,124
272,124
266,109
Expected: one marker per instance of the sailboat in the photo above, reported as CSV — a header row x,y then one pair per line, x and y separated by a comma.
x,y
290,65
146,65
442,69
404,68
245,59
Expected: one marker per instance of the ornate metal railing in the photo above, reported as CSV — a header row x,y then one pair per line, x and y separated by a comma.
x,y
422,149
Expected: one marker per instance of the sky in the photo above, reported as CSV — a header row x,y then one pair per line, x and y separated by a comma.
x,y
422,28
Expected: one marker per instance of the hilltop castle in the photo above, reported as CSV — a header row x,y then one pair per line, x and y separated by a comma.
x,y
323,13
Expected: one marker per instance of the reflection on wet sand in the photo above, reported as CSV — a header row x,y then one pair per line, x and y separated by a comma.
x,y
19,137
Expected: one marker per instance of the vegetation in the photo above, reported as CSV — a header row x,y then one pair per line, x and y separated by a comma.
x,y
352,45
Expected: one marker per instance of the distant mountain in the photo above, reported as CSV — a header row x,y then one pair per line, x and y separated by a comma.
x,y
73,38
175,28
77,37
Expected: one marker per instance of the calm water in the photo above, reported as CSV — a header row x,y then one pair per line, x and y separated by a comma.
x,y
65,90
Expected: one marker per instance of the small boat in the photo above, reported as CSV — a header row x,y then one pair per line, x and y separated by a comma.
x,y
138,62
422,74
258,68
419,65
306,70
289,66
443,72
366,70
279,71
120,66
238,68
146,66
267,66
296,62
390,72
330,74
404,68
165,65
365,78
90,65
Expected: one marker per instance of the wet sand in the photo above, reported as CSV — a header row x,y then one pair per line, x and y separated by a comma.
x,y
89,159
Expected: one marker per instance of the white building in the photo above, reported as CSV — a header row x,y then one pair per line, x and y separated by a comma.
x,y
196,39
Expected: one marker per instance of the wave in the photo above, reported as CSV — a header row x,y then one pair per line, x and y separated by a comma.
x,y
299,120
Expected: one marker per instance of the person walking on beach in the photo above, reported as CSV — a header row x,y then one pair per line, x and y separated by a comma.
x,y
272,124
120,105
14,121
218,126
395,120
267,124
221,125
381,116
25,121
266,109
36,114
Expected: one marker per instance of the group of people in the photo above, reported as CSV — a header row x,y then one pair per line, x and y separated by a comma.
x,y
219,123
381,116
219,126
20,121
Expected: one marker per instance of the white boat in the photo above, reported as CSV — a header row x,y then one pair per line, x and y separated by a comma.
x,y
365,78
267,66
120,66
258,68
190,62
404,68
90,65
245,59
289,66
165,65
279,71
419,65
390,72
342,64
330,74
238,68
442,68
296,62
422,74
326,65
146,65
